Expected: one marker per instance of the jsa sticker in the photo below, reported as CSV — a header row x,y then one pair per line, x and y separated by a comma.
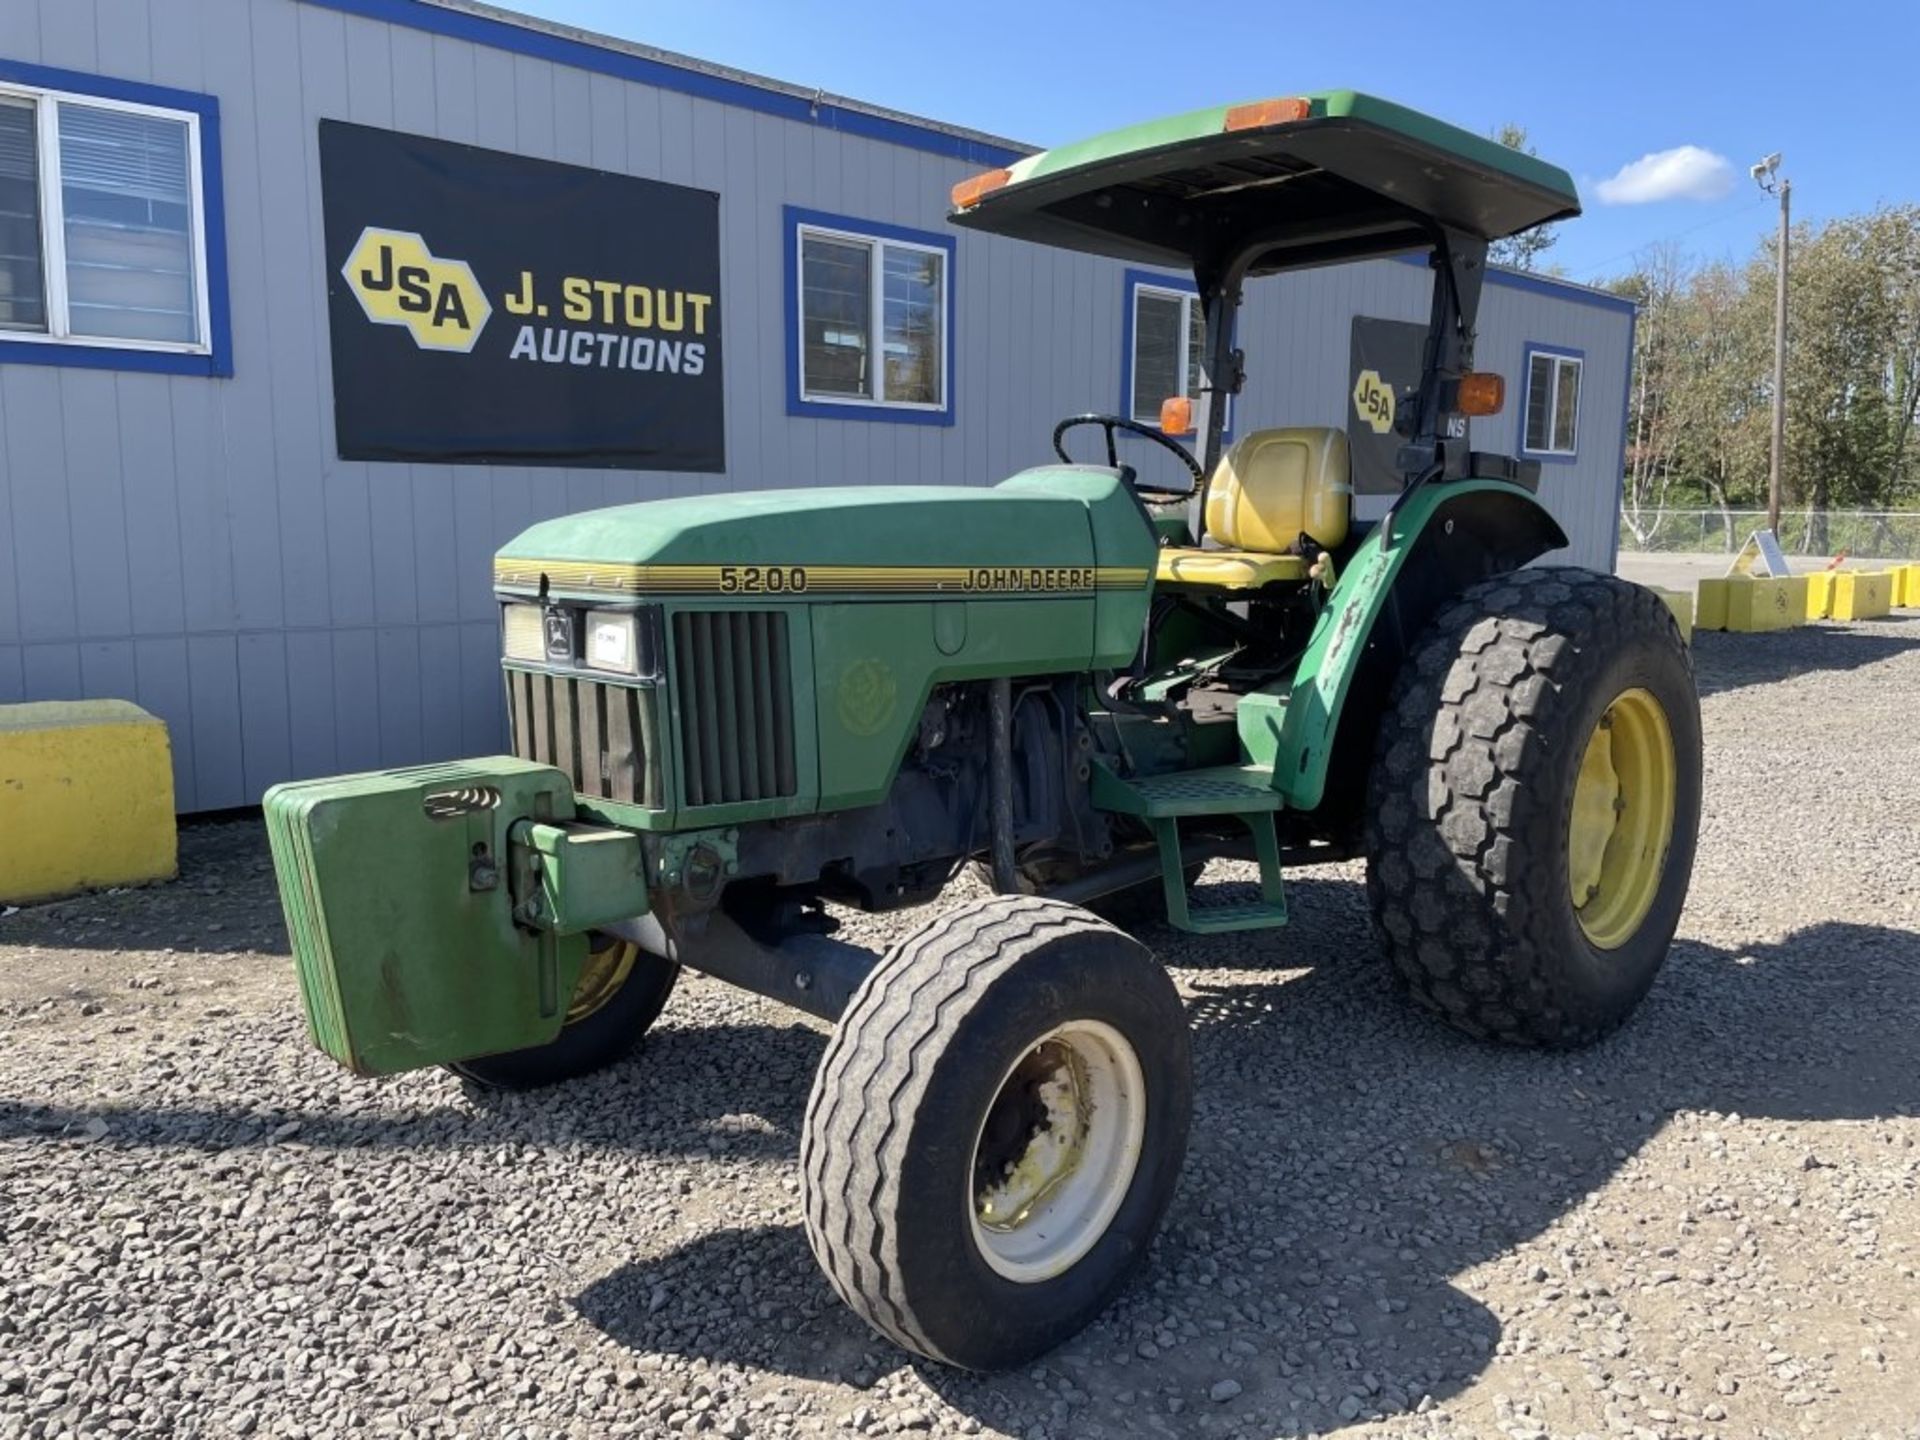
x,y
1373,401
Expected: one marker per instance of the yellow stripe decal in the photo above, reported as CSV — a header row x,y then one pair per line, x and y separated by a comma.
x,y
597,578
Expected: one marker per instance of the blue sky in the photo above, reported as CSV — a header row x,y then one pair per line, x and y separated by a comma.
x,y
1598,87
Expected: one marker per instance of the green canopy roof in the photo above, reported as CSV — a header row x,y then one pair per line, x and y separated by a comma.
x,y
1354,175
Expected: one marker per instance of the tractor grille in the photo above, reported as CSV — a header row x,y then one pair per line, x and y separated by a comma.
x,y
733,681
602,735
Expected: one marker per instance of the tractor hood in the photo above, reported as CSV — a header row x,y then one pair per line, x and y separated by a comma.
x,y
1059,529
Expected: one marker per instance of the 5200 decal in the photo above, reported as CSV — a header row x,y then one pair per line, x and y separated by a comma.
x,y
763,579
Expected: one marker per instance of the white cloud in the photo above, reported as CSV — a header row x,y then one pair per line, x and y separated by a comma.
x,y
1685,172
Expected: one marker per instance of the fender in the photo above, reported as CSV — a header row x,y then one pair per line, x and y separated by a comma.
x,y
1446,536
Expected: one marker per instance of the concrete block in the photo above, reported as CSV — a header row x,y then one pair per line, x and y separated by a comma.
x,y
1757,603
1820,594
1907,588
1710,605
1862,594
86,798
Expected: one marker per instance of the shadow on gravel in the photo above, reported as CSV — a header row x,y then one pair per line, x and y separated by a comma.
x,y
222,901
1350,1158
1726,661
763,1105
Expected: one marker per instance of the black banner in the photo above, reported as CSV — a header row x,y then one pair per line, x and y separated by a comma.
x,y
1383,372
490,308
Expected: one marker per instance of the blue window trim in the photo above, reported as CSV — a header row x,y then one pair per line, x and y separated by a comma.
x,y
1527,352
644,70
792,217
1132,280
219,359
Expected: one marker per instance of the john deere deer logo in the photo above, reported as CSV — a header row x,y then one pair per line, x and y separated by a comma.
x,y
398,281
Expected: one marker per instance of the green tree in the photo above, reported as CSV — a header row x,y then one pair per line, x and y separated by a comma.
x,y
1723,346
1699,410
1892,235
1522,251
1850,399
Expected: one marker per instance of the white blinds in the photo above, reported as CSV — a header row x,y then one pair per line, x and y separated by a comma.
x,y
23,301
1156,352
17,159
126,188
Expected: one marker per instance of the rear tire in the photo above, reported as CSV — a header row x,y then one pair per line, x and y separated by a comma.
x,y
996,1129
1518,695
605,1035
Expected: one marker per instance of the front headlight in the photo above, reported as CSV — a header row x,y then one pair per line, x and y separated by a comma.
x,y
613,641
524,638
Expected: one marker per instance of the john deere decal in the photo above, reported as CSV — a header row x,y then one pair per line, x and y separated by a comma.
x,y
488,308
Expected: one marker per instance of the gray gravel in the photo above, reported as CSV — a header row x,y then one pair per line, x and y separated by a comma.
x,y
1705,1226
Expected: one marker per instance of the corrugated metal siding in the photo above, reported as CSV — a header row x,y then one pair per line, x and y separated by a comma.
x,y
1296,332
195,544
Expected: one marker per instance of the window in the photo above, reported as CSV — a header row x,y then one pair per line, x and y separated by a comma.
x,y
103,223
1166,343
1553,403
871,320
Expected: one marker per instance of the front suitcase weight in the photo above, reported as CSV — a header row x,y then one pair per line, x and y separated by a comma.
x,y
400,914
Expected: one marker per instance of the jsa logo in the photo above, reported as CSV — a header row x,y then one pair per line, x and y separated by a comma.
x,y
400,282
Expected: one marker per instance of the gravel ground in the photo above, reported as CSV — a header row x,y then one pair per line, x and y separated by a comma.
x,y
1705,1226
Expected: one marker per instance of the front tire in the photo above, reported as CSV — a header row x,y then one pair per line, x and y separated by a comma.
x,y
996,1129
1534,806
620,994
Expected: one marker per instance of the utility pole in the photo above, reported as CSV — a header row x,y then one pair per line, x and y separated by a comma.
x,y
1767,176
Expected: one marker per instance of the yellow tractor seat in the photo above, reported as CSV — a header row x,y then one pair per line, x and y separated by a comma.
x,y
1227,569
1270,488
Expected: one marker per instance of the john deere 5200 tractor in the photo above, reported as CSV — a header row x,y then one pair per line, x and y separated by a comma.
x,y
728,712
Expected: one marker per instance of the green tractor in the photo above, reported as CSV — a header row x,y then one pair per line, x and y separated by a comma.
x,y
730,712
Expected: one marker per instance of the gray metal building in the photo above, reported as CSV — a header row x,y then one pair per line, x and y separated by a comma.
x,y
177,526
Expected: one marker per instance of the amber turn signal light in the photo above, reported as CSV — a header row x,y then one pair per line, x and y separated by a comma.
x,y
974,188
1262,113
1176,415
1481,393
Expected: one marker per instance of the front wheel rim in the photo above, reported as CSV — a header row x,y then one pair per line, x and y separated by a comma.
x,y
1621,826
1056,1151
609,963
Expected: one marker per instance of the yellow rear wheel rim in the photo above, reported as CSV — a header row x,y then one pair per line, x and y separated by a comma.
x,y
1622,822
609,962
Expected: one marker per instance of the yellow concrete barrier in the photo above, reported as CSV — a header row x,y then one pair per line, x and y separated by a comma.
x,y
86,798
1862,594
1820,594
1752,603
1907,587
1710,605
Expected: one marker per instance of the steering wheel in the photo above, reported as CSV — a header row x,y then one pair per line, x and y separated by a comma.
x,y
1111,423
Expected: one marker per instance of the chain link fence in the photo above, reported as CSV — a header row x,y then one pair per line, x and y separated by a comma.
x,y
1869,534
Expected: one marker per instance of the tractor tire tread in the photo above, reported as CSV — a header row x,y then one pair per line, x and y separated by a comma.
x,y
874,1074
1464,725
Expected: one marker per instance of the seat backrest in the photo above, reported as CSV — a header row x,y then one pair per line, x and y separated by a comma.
x,y
1273,486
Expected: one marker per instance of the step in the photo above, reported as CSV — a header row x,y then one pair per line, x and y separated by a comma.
x,y
1183,913
1217,790
1221,918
